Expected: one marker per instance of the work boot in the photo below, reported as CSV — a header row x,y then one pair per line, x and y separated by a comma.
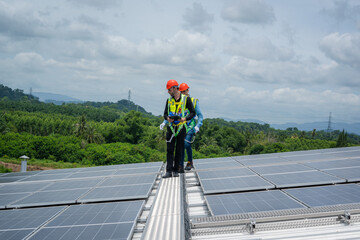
x,y
175,174
181,169
189,166
167,175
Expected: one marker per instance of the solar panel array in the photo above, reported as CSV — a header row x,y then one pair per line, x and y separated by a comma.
x,y
82,203
280,181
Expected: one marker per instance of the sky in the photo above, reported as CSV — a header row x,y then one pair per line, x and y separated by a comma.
x,y
276,61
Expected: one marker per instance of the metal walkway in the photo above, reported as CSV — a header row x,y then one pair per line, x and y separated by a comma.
x,y
166,219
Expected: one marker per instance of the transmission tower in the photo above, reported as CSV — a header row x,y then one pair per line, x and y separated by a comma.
x,y
329,123
129,95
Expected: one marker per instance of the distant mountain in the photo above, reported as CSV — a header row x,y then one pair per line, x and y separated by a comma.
x,y
349,127
55,98
245,120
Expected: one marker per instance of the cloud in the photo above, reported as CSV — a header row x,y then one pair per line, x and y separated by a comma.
x,y
342,48
248,12
258,49
343,11
19,23
197,19
100,5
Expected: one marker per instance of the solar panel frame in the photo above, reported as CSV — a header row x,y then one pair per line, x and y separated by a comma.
x,y
297,179
234,184
259,201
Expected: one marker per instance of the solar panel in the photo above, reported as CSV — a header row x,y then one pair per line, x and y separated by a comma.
x,y
311,157
212,160
264,161
91,174
302,179
286,168
333,164
141,165
6,199
93,221
217,165
350,174
50,198
73,184
100,168
15,234
327,195
23,187
129,180
26,218
224,173
238,203
7,179
45,177
100,213
137,171
120,231
351,154
117,193
234,184
22,174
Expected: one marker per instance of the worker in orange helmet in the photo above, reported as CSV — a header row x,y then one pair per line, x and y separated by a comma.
x,y
175,109
192,128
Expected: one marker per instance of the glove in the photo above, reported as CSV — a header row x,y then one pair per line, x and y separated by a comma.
x,y
196,129
162,126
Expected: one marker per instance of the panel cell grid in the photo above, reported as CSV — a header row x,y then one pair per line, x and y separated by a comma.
x,y
350,174
117,193
129,180
50,198
23,187
327,195
234,184
238,203
302,179
217,165
333,164
225,173
285,168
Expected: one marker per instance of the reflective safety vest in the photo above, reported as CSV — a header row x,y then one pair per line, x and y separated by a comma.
x,y
177,109
192,123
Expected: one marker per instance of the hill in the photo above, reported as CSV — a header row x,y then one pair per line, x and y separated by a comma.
x,y
348,127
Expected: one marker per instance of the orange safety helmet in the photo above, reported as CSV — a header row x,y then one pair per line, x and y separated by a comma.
x,y
183,87
171,83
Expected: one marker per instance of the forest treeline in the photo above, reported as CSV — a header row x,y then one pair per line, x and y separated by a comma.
x,y
114,133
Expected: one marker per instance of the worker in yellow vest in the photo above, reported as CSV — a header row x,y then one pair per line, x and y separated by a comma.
x,y
175,113
193,128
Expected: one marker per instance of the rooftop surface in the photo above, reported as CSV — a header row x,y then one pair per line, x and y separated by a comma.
x,y
294,195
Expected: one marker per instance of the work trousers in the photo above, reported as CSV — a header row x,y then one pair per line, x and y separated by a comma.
x,y
175,145
187,144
